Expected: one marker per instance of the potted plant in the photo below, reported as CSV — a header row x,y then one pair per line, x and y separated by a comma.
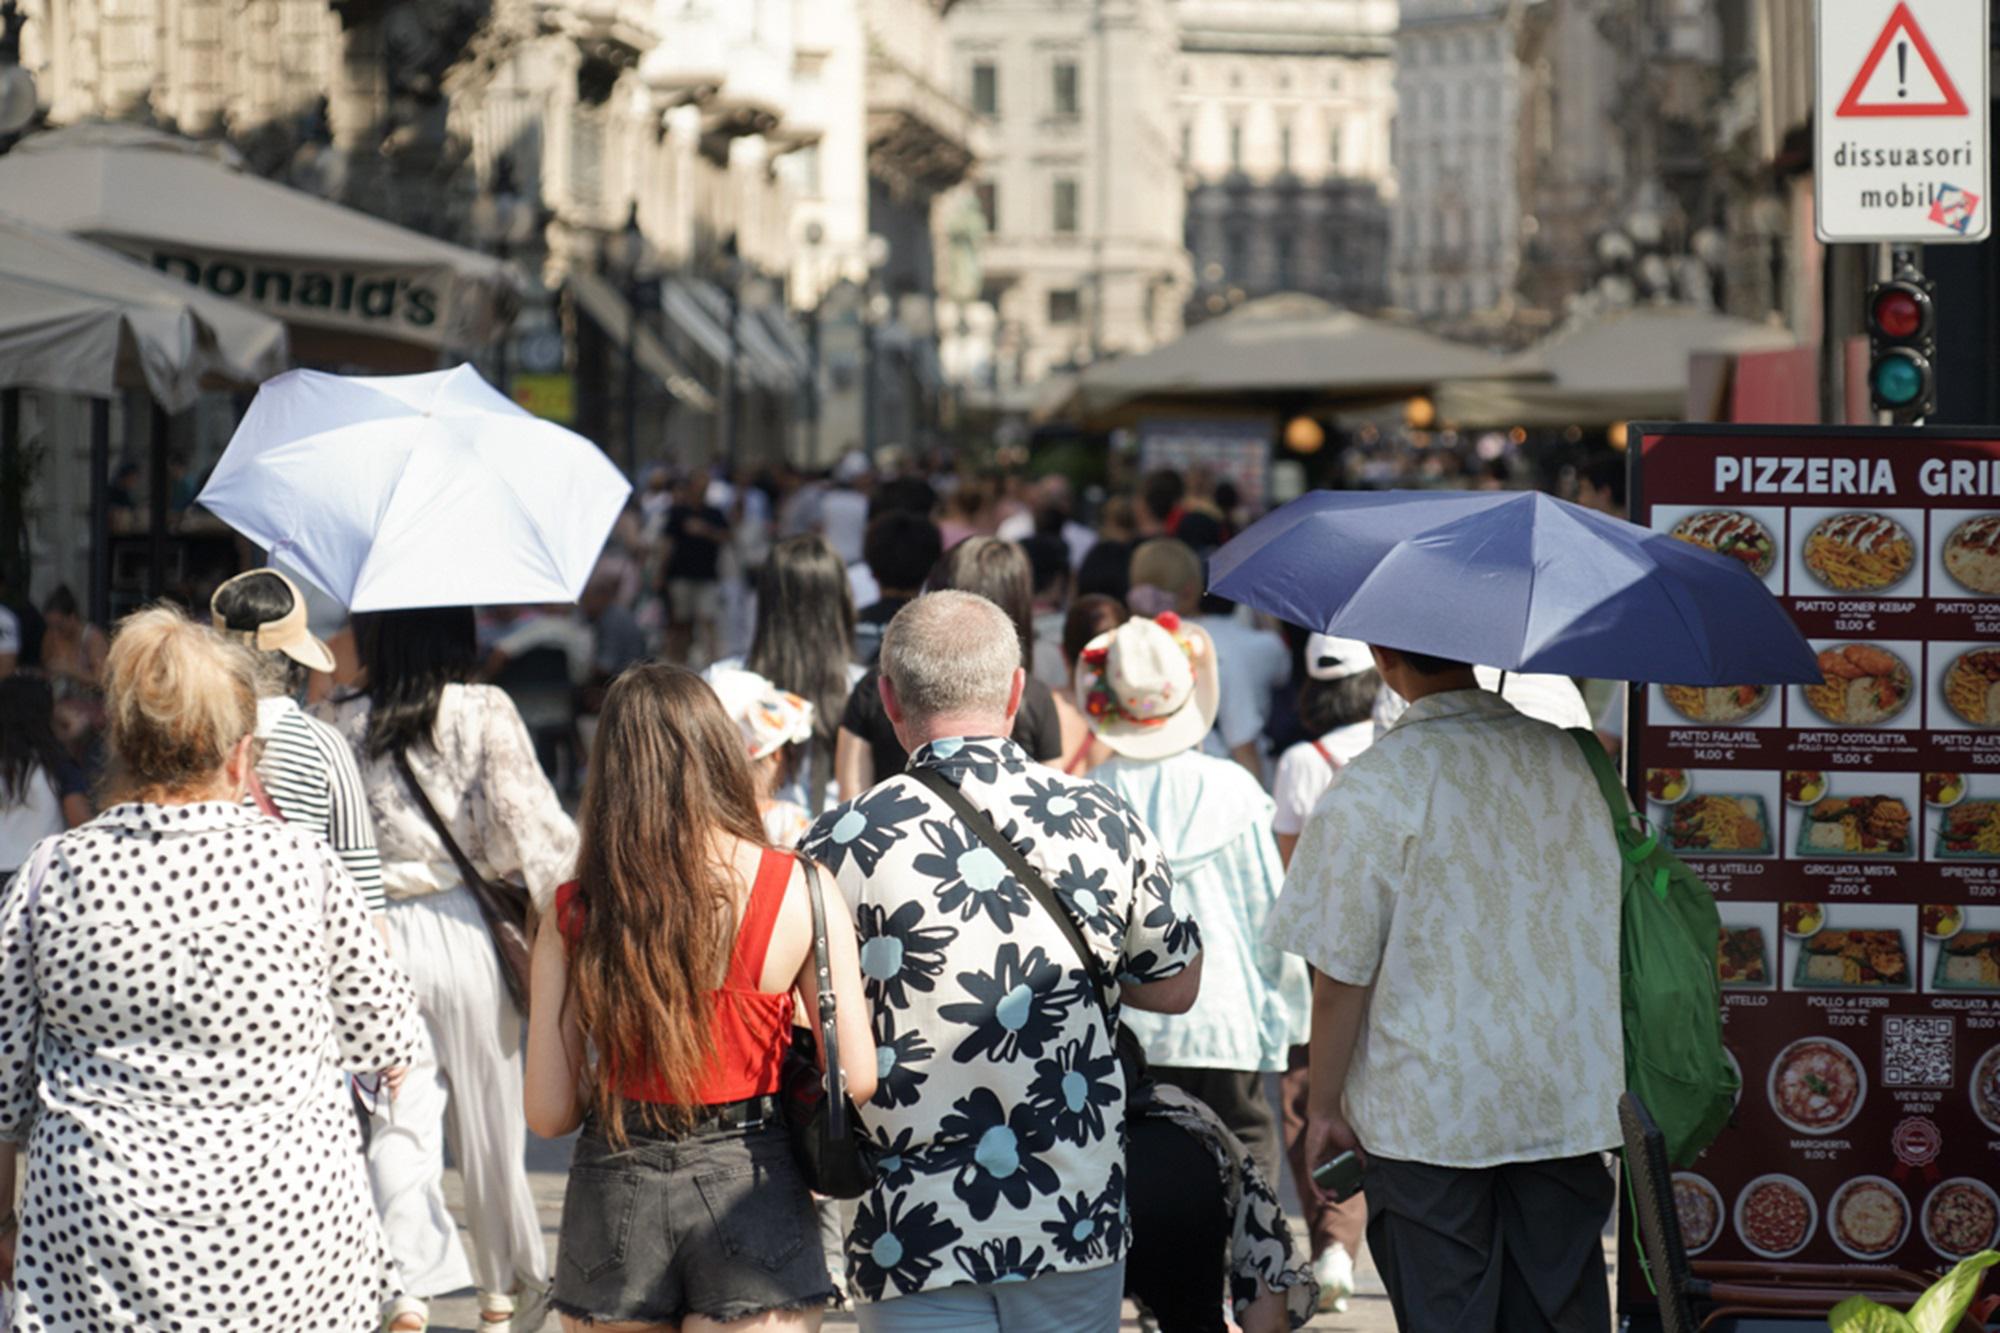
x,y
1936,1311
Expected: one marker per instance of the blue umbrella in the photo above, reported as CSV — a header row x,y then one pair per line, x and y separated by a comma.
x,y
1516,580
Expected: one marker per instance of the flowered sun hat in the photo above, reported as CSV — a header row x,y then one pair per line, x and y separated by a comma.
x,y
768,717
1149,687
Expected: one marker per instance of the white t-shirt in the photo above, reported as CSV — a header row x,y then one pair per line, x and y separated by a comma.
x,y
843,521
1253,663
1304,774
38,815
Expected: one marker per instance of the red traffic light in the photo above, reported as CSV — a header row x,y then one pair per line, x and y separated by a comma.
x,y
1899,310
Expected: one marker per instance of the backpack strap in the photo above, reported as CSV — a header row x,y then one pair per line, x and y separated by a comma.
x,y
1632,845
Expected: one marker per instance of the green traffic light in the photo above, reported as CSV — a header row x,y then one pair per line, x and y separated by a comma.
x,y
1897,380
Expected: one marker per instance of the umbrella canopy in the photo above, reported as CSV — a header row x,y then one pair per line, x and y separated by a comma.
x,y
400,491
76,318
1625,365
1288,344
1517,580
311,263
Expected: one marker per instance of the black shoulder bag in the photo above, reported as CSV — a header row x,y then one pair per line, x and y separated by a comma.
x,y
1131,1058
827,1139
505,909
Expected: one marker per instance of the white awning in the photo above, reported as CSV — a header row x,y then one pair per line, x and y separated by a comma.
x,y
171,203
77,318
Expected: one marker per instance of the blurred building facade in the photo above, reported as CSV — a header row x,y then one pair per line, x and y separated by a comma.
x,y
1077,193
1284,110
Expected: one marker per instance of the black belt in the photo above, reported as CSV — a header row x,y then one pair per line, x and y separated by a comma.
x,y
750,1113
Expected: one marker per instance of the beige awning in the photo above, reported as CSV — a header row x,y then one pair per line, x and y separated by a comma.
x,y
1290,344
174,204
77,318
609,311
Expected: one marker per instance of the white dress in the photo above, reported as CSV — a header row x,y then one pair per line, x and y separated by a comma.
x,y
180,987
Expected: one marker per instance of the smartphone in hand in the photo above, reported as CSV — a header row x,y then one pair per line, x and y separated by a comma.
x,y
1339,1179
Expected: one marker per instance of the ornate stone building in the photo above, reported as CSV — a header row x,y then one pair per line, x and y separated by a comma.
x,y
1284,109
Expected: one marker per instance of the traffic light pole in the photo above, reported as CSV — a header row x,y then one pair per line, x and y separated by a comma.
x,y
1902,336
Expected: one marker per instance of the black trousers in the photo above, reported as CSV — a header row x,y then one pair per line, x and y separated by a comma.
x,y
1237,1098
1177,1264
1506,1249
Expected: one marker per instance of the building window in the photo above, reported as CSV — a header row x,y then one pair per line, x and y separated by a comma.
x,y
1285,148
1238,256
986,88
988,195
1066,103
1236,147
1333,144
1065,205
1282,247
1065,306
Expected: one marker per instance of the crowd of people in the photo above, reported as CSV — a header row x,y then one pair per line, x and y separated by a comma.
x,y
1135,904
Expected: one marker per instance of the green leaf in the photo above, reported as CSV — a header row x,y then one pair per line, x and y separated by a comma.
x,y
1940,1307
1858,1314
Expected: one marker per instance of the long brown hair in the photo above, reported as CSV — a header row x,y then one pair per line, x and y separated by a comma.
x,y
669,780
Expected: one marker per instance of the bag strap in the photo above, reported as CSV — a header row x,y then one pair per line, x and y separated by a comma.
x,y
829,1009
466,869
1631,845
1332,760
263,799
1030,878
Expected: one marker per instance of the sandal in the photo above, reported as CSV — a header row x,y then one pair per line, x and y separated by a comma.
x,y
404,1307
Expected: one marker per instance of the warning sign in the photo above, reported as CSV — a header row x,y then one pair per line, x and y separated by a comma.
x,y
1900,130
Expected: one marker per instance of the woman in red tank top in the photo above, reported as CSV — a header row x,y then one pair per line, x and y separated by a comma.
x,y
663,1003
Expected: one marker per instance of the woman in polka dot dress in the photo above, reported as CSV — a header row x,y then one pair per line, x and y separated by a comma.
x,y
181,983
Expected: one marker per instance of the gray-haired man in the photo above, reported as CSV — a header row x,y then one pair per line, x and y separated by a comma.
x,y
1000,1108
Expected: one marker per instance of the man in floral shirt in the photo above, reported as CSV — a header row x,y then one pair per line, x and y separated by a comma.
x,y
1000,1111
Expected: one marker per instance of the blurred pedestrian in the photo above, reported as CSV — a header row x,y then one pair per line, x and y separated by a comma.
x,y
73,652
1000,1105
843,507
1089,616
1048,564
971,510
1456,891
469,757
902,548
192,1164
695,534
684,1205
304,774
1150,688
42,789
1254,664
804,643
870,748
1335,707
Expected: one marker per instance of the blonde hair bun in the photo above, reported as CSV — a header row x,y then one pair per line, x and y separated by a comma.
x,y
178,696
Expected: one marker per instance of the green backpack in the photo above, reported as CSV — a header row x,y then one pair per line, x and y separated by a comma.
x,y
1670,989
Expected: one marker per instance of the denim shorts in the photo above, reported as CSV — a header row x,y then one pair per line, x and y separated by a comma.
x,y
716,1222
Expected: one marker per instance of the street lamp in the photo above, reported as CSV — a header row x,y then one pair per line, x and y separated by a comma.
x,y
17,85
503,220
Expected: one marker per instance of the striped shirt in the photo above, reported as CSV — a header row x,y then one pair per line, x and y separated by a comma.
x,y
309,774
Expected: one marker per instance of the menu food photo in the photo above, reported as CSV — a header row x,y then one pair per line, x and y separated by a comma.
x,y
1851,832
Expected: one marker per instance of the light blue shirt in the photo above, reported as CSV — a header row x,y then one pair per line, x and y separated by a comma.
x,y
1213,820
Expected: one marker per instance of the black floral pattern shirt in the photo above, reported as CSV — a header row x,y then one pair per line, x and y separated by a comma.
x,y
1000,1111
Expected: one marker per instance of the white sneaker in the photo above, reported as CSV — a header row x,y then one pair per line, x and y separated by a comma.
x,y
1334,1271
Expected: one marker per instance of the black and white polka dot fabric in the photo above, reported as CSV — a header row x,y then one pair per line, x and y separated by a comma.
x,y
180,987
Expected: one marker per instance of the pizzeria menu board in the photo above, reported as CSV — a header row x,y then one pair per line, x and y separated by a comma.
x,y
1851,831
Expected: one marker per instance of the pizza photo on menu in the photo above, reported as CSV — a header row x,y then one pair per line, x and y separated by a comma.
x,y
1985,1089
1961,1218
1859,552
1698,1205
1775,1216
1972,554
1868,1218
1817,1085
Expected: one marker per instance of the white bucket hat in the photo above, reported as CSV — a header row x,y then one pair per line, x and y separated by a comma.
x,y
768,717
1149,687
1331,658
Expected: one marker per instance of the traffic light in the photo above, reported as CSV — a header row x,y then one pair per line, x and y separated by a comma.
x,y
1902,327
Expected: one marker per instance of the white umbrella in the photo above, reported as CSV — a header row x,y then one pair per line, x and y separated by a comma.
x,y
402,491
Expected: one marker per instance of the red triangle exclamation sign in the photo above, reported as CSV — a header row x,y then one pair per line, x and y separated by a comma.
x,y
1949,103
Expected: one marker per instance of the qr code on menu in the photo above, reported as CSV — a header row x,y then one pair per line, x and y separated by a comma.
x,y
1916,1052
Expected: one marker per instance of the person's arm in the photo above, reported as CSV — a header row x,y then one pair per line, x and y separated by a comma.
x,y
375,1019
853,765
1170,995
851,1017
1247,755
1338,1012
553,1090
1287,844
1160,970
350,827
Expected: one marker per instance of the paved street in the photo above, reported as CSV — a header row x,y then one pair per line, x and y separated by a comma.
x,y
547,1163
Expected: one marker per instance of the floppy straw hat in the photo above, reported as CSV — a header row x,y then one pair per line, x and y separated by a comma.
x,y
1149,687
768,717
287,634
